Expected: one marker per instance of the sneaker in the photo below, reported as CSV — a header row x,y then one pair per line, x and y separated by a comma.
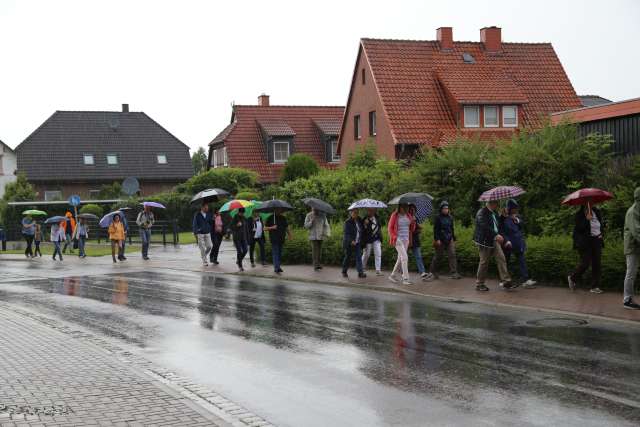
x,y
240,267
406,282
596,291
507,285
253,265
344,274
146,258
362,275
630,305
378,273
481,287
319,267
316,268
205,263
425,275
455,276
393,279
529,284
429,278
115,261
572,283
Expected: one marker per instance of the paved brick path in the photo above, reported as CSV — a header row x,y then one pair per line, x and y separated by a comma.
x,y
51,378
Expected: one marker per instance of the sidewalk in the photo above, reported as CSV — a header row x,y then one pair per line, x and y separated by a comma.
x,y
550,298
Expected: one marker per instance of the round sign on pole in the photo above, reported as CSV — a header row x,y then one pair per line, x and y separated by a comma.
x,y
130,186
74,200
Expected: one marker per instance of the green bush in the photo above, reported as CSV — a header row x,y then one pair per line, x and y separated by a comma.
x,y
230,179
299,166
365,156
110,191
248,195
92,209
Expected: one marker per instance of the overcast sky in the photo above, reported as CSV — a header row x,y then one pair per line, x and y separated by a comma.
x,y
184,62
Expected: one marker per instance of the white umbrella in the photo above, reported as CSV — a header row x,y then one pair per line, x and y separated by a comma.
x,y
367,204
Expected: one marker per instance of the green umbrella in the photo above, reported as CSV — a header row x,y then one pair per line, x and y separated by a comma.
x,y
33,212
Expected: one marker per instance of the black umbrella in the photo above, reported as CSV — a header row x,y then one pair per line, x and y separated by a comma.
x,y
208,195
319,205
271,205
410,198
88,216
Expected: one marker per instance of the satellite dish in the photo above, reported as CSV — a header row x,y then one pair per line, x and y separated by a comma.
x,y
130,186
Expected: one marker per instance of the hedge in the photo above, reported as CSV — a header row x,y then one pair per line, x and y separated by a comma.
x,y
549,258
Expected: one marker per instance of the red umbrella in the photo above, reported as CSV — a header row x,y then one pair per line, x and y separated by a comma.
x,y
587,196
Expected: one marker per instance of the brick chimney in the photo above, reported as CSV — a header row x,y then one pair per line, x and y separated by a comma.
x,y
263,100
125,108
491,37
445,37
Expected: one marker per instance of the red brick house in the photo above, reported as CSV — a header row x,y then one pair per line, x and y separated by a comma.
x,y
262,137
409,94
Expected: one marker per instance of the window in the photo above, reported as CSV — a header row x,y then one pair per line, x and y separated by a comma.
x,y
372,123
112,159
280,151
162,159
335,156
472,116
52,195
215,159
88,159
363,78
224,156
491,117
94,194
356,126
510,116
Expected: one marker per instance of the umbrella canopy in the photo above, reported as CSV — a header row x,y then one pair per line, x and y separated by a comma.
x,y
33,212
125,208
367,204
153,205
208,195
106,220
271,205
87,216
235,204
55,219
424,208
409,198
502,192
319,205
587,196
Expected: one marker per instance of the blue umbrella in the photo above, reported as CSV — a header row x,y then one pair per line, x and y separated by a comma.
x,y
153,205
106,220
55,219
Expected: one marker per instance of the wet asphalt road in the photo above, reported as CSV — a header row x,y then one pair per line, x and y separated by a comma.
x,y
313,355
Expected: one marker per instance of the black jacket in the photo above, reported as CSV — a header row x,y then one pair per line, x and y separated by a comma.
x,y
371,233
484,233
352,230
582,228
240,229
443,228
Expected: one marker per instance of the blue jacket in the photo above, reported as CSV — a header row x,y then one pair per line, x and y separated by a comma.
x,y
202,224
511,230
352,230
443,228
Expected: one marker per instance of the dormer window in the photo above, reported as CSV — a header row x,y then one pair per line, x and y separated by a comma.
x,y
280,151
510,116
491,116
88,159
471,116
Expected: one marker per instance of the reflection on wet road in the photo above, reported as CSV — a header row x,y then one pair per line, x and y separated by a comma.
x,y
313,355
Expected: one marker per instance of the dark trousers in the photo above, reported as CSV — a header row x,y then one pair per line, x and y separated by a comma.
x,y
276,254
37,252
66,244
241,250
252,246
316,252
590,255
216,240
121,254
350,251
450,247
522,263
28,250
56,250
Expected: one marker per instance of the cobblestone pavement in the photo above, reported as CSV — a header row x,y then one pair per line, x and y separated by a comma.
x,y
52,378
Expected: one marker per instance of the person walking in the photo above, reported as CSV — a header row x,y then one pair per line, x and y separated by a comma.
x,y
37,239
511,226
487,238
81,234
240,232
401,227
631,250
116,236
317,225
372,240
58,236
588,240
202,225
125,224
145,221
217,233
256,236
69,228
444,238
278,229
353,233
28,231
416,248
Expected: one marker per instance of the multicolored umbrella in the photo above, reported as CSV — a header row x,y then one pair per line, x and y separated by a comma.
x,y
33,212
235,204
502,192
153,205
367,204
587,196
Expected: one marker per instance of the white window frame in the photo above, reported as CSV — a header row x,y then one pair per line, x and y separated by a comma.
x,y
274,144
114,156
515,111
215,158
159,155
88,155
224,157
52,195
373,124
466,116
497,122
335,157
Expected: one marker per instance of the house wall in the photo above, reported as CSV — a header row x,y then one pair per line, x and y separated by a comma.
x,y
8,165
624,130
365,98
83,189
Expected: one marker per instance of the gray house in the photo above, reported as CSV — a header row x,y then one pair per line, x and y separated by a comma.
x,y
77,152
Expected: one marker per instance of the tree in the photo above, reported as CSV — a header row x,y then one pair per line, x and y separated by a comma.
x,y
299,166
92,209
364,156
19,191
110,191
199,160
230,179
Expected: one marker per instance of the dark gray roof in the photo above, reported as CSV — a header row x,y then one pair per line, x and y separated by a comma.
x,y
223,135
591,100
55,150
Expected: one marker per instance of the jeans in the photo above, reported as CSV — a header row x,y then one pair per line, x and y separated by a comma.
x,y
376,247
241,250
316,252
81,242
439,253
252,246
216,240
403,259
276,253
417,254
483,266
522,262
145,235
349,251
28,250
67,242
205,245
591,254
37,252
56,250
630,277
